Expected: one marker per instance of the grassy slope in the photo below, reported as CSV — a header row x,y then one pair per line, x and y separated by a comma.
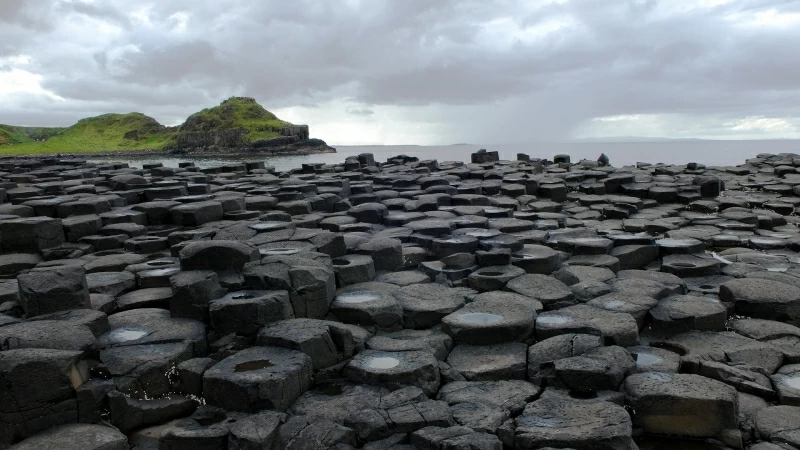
x,y
135,131
22,135
132,131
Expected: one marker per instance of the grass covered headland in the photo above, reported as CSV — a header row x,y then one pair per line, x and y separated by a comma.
x,y
237,123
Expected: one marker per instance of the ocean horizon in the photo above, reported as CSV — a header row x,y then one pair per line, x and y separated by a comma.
x,y
708,152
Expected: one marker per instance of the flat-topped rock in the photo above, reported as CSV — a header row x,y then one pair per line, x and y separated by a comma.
x,y
683,405
489,322
763,299
395,369
600,425
258,378
76,437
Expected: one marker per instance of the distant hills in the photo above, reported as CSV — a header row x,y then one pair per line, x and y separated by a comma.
x,y
238,123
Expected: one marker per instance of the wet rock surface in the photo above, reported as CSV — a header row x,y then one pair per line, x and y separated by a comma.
x,y
400,305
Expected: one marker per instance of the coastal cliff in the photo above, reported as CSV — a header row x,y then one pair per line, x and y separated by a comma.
x,y
239,125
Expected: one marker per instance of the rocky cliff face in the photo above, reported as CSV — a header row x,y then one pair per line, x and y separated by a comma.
x,y
241,125
300,131
220,138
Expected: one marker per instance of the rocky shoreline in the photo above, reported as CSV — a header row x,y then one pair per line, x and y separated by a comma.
x,y
290,148
405,305
282,146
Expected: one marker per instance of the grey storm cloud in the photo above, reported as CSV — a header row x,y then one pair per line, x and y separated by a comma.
x,y
481,70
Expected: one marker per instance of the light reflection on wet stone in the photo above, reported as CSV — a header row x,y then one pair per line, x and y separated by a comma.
x,y
383,362
125,335
356,297
552,320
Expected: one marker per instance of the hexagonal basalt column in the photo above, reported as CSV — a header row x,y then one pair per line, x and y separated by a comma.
x,y
258,378
395,369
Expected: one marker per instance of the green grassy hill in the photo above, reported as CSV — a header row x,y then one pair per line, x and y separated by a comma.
x,y
236,113
23,135
238,121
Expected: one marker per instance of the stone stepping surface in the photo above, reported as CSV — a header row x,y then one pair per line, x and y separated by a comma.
x,y
400,305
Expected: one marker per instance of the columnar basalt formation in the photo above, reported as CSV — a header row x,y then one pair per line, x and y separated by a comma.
x,y
403,305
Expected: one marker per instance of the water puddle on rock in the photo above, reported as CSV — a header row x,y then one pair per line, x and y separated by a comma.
x,y
793,382
356,297
646,359
162,272
552,320
253,365
125,334
383,362
480,318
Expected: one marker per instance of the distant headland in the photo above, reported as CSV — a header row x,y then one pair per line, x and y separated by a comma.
x,y
238,126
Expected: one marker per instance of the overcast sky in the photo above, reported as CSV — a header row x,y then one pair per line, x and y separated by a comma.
x,y
415,71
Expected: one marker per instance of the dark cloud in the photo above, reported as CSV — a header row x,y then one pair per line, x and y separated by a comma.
x,y
25,14
475,70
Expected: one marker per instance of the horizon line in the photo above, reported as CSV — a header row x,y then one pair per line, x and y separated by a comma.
x,y
576,141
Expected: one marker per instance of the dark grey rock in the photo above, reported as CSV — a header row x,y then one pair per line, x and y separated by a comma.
x,y
245,312
490,362
683,405
325,342
76,437
571,424
38,391
217,255
192,291
57,289
395,370
258,378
